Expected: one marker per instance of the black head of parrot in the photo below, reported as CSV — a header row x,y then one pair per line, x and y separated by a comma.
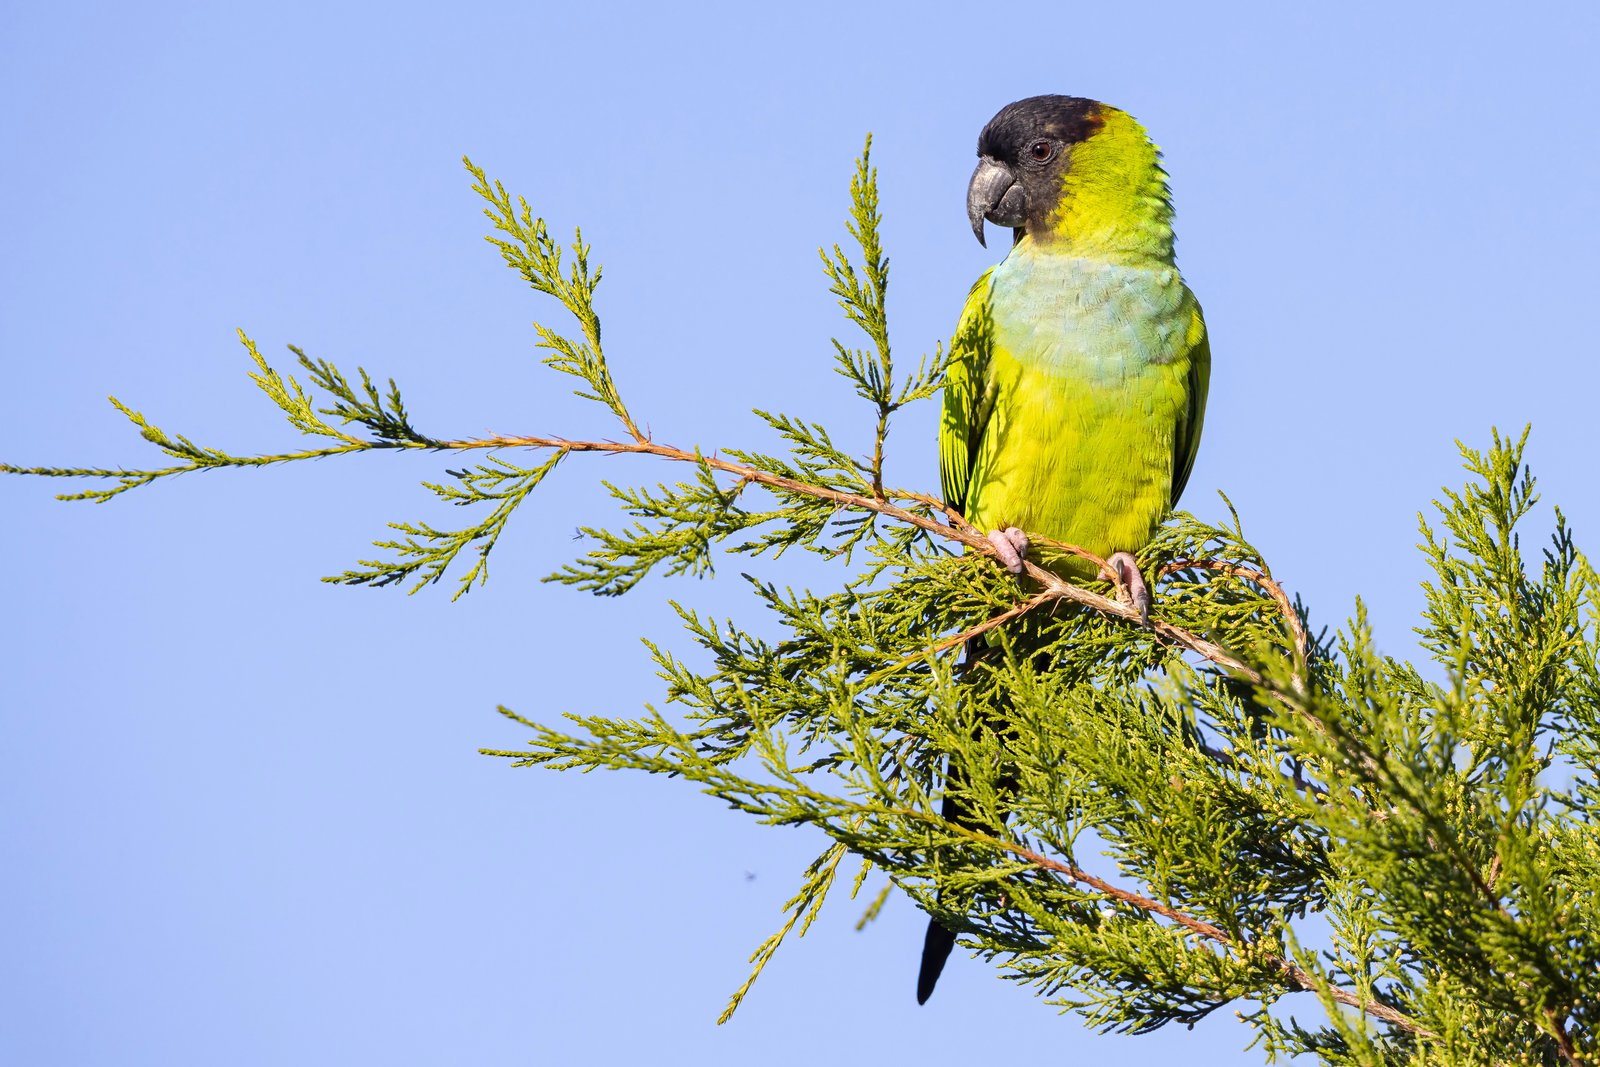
x,y
1023,154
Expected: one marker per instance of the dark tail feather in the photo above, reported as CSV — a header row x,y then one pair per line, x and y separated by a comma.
x,y
939,940
936,946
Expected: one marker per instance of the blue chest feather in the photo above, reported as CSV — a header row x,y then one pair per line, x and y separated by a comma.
x,y
1085,319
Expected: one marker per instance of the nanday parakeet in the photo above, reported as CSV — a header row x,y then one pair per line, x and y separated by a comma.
x,y
1077,383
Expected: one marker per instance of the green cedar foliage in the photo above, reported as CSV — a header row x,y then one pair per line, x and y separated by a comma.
x,y
1371,861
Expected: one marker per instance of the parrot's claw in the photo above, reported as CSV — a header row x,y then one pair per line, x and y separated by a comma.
x,y
1134,591
1011,545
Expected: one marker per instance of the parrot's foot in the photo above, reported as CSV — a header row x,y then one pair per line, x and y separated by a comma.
x,y
1011,544
1137,593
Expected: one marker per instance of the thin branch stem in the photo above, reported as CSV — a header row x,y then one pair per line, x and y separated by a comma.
x,y
1291,618
1052,586
964,636
1055,586
877,451
1301,978
1558,1030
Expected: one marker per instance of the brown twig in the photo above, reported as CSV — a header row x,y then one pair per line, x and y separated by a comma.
x,y
744,471
1291,618
1105,569
1558,1030
958,530
877,452
965,635
1301,978
958,520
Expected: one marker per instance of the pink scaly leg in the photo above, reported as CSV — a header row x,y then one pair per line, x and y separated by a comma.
x,y
1138,592
1011,544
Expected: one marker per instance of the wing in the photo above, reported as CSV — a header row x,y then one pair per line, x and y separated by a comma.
x,y
1186,440
965,381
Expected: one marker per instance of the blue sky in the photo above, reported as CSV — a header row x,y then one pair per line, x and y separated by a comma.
x,y
243,819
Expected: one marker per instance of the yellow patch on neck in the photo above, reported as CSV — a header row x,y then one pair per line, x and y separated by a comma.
x,y
1114,199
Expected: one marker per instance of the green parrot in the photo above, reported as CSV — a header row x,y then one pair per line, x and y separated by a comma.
x,y
1077,384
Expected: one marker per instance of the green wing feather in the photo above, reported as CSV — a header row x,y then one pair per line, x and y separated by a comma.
x,y
965,411
1186,441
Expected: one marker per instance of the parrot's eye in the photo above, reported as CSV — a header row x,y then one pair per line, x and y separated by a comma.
x,y
1041,151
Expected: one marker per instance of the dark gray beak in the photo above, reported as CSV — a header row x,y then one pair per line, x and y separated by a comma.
x,y
994,194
